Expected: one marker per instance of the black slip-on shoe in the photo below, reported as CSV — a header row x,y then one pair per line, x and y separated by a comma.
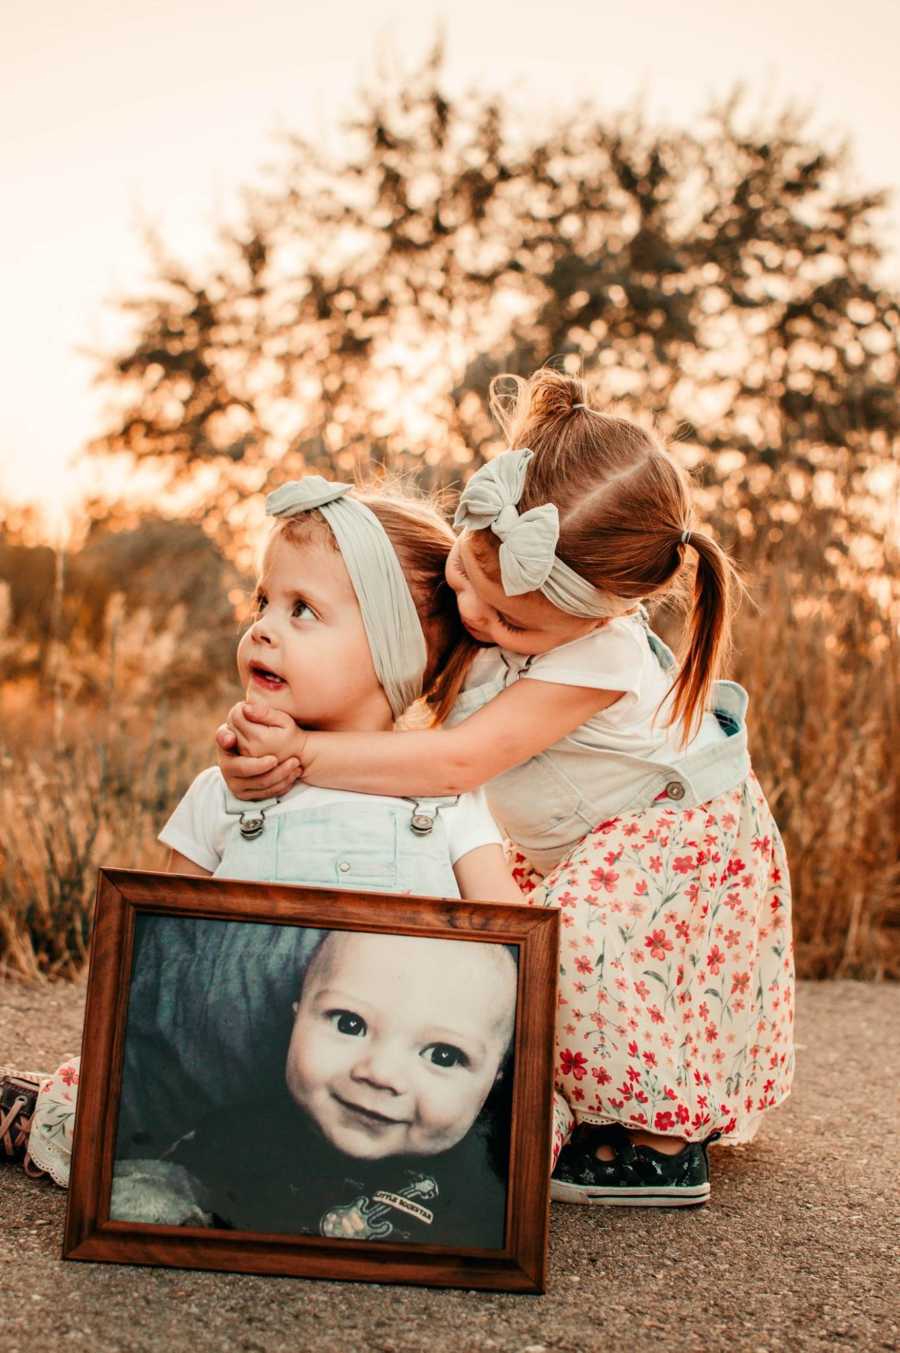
x,y
637,1176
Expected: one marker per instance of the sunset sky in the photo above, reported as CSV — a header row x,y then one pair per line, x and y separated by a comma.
x,y
108,109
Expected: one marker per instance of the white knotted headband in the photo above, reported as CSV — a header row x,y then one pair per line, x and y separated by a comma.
x,y
389,615
527,556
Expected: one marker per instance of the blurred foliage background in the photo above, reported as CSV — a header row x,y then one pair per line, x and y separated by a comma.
x,y
723,281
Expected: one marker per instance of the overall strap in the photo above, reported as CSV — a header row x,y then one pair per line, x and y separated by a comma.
x,y
425,812
251,816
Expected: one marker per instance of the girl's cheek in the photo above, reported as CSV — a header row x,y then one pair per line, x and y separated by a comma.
x,y
241,654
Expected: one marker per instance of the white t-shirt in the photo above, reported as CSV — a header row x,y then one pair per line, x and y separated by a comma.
x,y
198,827
615,657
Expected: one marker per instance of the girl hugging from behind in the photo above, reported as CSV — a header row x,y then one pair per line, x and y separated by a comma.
x,y
622,781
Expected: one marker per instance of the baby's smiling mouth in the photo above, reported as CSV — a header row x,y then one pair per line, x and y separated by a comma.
x,y
367,1116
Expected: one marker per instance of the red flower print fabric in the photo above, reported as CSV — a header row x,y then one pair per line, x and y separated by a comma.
x,y
676,995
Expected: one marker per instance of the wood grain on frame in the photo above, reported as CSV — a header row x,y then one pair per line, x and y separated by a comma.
x,y
91,1235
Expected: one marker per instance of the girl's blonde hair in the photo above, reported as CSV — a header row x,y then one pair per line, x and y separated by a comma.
x,y
422,539
624,506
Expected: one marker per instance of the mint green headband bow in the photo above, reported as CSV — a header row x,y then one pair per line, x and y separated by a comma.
x,y
389,615
528,559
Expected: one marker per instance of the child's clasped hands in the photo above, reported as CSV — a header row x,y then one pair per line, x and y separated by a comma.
x,y
260,750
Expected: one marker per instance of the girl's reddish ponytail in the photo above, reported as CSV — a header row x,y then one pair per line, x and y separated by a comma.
x,y
716,585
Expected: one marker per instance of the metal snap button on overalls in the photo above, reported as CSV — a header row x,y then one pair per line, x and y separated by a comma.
x,y
675,789
252,824
422,822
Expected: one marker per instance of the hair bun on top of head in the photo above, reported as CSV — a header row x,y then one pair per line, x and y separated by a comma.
x,y
546,397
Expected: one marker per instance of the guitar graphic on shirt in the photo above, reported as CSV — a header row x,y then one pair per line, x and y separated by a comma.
x,y
361,1219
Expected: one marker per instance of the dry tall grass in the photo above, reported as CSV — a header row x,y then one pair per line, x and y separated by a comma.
x,y
94,786
93,791
822,675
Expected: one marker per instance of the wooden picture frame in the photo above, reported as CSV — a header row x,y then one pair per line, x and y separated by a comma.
x,y
138,913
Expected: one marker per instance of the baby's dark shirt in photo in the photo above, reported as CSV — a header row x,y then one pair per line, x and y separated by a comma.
x,y
264,1166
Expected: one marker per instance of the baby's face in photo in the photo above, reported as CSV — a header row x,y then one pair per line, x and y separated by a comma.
x,y
398,1040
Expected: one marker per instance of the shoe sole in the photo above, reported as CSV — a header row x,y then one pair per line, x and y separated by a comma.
x,y
586,1194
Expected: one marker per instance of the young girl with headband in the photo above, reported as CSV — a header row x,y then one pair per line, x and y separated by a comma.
x,y
621,778
353,623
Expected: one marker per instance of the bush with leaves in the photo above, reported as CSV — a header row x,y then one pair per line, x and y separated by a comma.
x,y
722,280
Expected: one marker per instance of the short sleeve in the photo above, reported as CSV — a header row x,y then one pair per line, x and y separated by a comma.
x,y
608,659
196,828
470,825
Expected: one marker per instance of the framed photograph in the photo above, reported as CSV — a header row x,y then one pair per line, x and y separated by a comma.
x,y
331,1084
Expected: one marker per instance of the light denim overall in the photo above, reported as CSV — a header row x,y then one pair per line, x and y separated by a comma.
x,y
549,803
211,1004
399,847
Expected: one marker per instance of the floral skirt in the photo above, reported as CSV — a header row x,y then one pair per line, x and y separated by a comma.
x,y
676,979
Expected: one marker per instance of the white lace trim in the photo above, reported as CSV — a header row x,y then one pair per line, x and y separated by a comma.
x,y
50,1142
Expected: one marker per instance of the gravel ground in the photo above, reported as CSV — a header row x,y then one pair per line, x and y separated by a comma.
x,y
795,1251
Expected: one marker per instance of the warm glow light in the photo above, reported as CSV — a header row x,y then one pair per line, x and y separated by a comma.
x,y
105,119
